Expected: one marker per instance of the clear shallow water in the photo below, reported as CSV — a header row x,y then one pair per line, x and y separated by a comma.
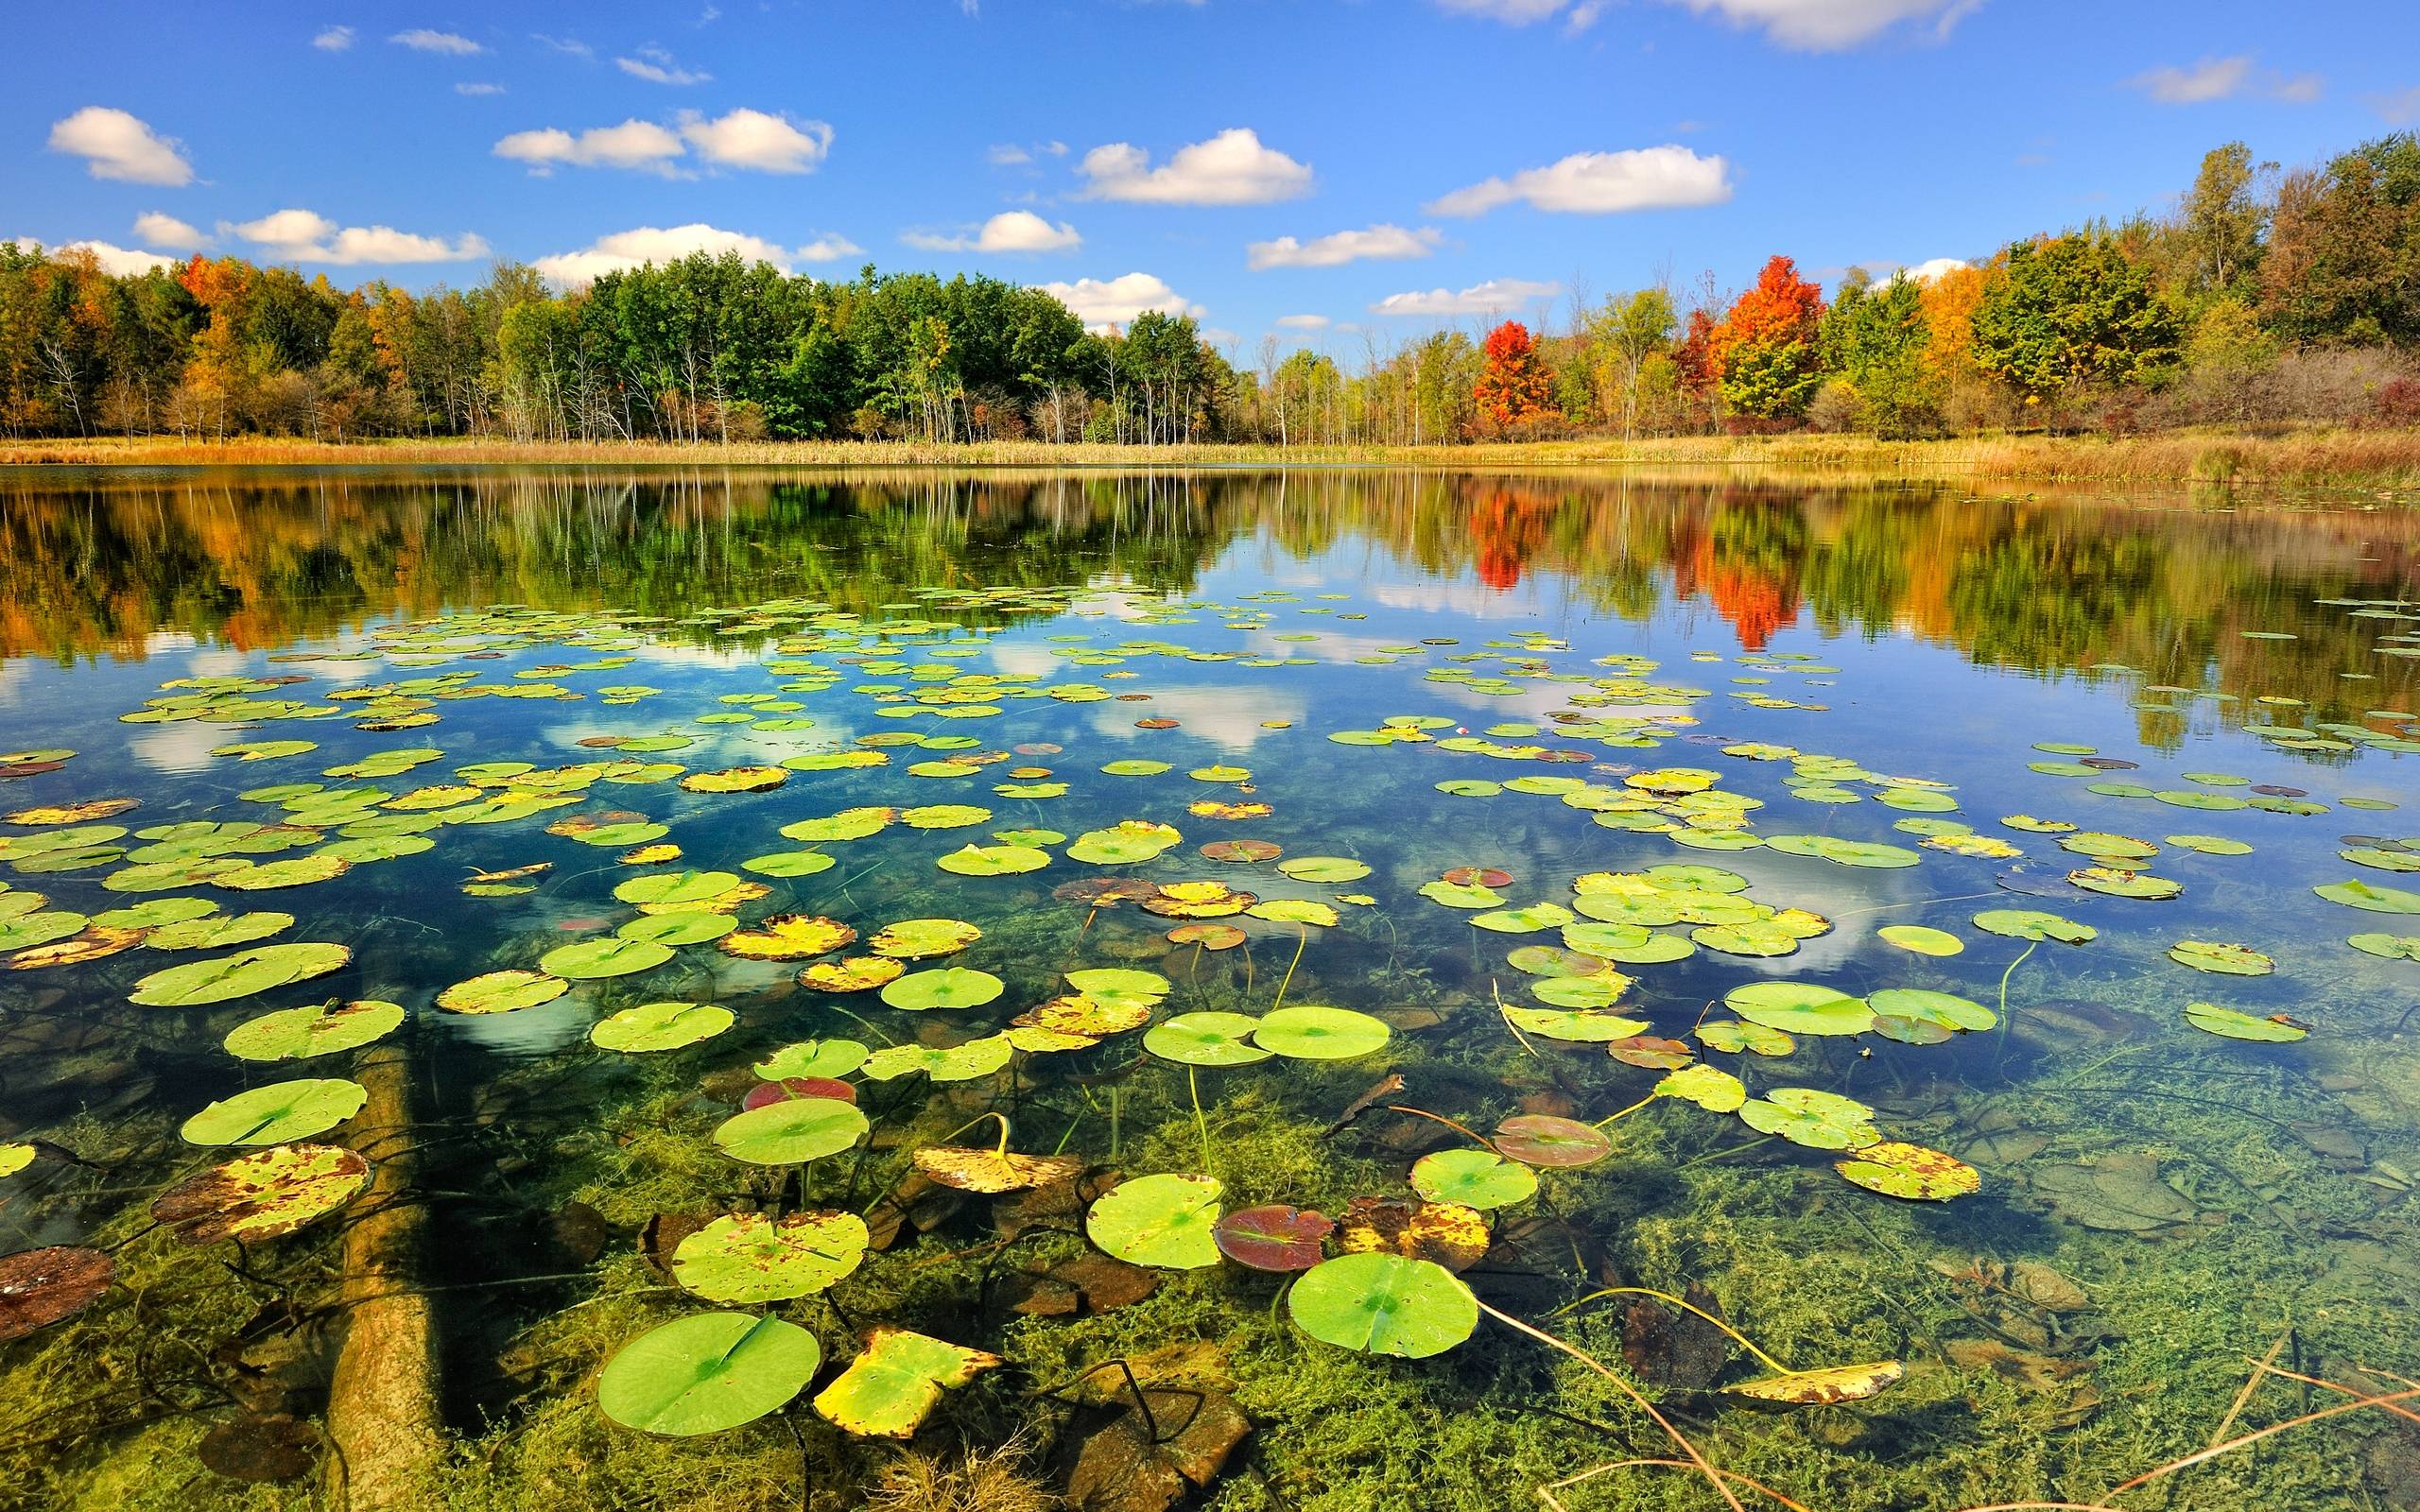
x,y
2155,1201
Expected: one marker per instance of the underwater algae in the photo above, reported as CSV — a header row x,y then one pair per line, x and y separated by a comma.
x,y
1250,1043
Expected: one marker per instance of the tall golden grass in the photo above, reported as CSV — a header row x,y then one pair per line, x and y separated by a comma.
x,y
2332,458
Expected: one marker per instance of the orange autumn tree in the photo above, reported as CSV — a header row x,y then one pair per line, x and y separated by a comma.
x,y
1764,350
1515,389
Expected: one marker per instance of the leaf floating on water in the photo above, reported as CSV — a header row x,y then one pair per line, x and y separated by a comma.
x,y
1556,1143
2032,924
893,1388
2233,1024
952,987
749,1259
1811,1117
789,937
276,1113
501,992
1384,1305
914,939
296,1033
1800,1007
1277,1238
266,1194
1910,1171
1159,1220
225,978
2374,900
707,1372
992,1170
1480,1179
2223,959
651,1027
1309,1032
1710,1087
791,1132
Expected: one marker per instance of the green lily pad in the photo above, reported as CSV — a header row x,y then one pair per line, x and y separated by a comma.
x,y
2034,924
1129,843
2373,899
1208,1038
662,887
1872,853
2223,959
793,1131
224,978
1800,1007
611,955
296,1034
959,1062
1574,1026
2390,947
1734,1037
217,932
1384,1305
752,1259
2237,1025
1922,939
707,1372
993,860
788,864
1310,1031
951,987
655,1027
826,1059
1475,1179
1162,1220
1924,1006
501,992
695,928
276,1114
1819,1119
1326,869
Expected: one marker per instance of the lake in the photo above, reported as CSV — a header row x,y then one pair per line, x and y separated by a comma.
x,y
564,988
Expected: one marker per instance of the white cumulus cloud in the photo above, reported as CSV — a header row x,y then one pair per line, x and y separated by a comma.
x,y
167,230
115,145
307,236
1012,231
1104,302
1388,243
1232,168
422,39
1929,269
1601,184
478,90
633,144
1491,298
1304,322
640,245
110,258
754,139
334,39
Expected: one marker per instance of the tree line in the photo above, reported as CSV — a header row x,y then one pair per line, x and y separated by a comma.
x,y
2264,298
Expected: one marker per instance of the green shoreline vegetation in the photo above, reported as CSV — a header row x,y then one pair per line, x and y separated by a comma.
x,y
2262,329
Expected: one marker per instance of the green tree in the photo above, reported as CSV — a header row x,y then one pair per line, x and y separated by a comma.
x,y
2066,312
2344,258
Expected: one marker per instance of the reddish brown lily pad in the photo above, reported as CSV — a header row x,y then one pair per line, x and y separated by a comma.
x,y
1478,877
1209,937
1539,1139
1243,850
790,1087
1272,1237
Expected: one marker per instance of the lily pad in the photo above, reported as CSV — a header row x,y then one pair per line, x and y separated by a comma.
x,y
2032,924
2223,959
951,987
266,1194
787,937
1557,1144
1162,1220
296,1034
1922,939
225,978
276,1113
501,992
893,1388
966,1061
2234,1024
1474,1179
1309,1032
1277,1238
1800,1007
1384,1305
750,1259
592,960
657,1027
2373,899
1910,1171
1208,1038
791,1132
707,1372
916,940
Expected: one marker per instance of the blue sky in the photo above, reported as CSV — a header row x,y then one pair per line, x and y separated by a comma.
x,y
1431,159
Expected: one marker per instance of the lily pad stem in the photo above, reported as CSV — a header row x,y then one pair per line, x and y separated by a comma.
x,y
1299,946
1665,1297
1200,1125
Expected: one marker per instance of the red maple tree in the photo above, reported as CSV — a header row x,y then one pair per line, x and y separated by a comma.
x,y
1515,388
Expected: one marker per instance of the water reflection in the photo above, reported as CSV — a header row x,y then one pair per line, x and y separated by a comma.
x,y
93,564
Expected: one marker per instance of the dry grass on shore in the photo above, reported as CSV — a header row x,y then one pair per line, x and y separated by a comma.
x,y
2334,458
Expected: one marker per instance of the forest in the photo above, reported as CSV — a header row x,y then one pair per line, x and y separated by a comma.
x,y
2263,299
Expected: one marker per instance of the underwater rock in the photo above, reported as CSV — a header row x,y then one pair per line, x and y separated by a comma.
x,y
1677,1349
1087,1285
2046,1289
580,1232
2119,1192
661,1234
275,1448
2035,1372
1120,1468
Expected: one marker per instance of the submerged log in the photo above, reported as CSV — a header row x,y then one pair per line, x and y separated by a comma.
x,y
383,1403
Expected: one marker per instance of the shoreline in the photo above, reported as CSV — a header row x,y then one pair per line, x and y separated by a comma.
x,y
2383,460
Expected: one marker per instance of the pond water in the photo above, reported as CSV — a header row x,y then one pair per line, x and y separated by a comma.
x,y
1971,938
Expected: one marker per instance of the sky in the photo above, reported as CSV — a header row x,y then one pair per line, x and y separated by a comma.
x,y
1324,171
